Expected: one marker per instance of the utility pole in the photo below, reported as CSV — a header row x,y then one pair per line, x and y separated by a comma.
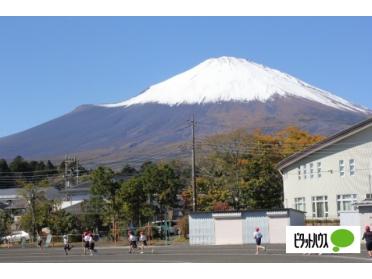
x,y
77,171
193,180
33,218
369,197
71,165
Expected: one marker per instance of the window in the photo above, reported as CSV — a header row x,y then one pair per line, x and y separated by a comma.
x,y
320,206
304,171
341,167
352,166
319,169
299,173
344,202
300,204
311,170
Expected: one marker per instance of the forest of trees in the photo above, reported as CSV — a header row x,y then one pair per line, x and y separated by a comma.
x,y
235,171
21,169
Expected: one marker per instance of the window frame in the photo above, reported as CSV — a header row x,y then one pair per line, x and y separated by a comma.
x,y
352,167
341,168
315,200
319,169
298,202
304,172
341,200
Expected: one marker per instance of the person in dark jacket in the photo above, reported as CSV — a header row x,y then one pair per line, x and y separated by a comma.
x,y
367,236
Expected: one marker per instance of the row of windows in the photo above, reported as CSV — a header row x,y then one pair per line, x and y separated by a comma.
x,y
341,167
319,204
315,170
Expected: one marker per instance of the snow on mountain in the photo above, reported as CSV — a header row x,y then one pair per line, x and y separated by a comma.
x,y
233,79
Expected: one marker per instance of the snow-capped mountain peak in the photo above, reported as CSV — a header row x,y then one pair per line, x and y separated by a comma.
x,y
226,79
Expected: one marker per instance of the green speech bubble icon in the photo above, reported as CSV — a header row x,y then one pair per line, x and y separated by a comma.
x,y
341,238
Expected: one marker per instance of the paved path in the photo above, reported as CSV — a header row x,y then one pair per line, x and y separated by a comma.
x,y
174,254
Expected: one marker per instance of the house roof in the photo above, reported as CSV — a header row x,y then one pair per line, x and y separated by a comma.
x,y
83,187
324,143
9,194
17,204
287,210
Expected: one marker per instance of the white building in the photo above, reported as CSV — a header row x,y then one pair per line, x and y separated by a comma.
x,y
328,177
223,228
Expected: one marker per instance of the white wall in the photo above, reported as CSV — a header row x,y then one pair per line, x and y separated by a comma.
x,y
277,229
356,219
331,184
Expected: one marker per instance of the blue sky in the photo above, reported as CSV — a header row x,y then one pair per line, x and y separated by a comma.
x,y
50,65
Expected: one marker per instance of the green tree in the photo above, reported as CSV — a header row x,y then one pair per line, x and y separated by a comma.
x,y
5,175
5,222
19,165
38,208
105,192
161,184
61,222
263,187
135,209
92,216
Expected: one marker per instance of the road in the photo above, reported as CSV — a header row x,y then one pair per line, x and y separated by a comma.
x,y
174,254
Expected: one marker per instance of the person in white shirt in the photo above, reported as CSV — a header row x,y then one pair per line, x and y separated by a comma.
x,y
257,235
86,241
66,245
132,242
91,244
143,241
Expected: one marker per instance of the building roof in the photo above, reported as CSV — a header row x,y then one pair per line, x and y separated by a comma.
x,y
17,204
234,212
9,194
83,187
325,143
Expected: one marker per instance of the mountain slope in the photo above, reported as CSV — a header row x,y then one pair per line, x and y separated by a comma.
x,y
152,125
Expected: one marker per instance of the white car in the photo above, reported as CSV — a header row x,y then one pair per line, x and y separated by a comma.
x,y
16,236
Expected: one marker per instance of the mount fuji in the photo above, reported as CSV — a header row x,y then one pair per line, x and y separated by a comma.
x,y
224,94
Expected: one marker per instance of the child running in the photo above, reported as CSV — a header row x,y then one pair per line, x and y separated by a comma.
x,y
132,242
86,241
367,236
91,244
257,235
143,241
66,245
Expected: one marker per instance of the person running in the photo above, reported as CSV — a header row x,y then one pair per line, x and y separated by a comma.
x,y
143,241
86,241
367,236
132,242
257,235
66,244
91,244
40,240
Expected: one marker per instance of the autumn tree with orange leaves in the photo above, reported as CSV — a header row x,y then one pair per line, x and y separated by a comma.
x,y
237,169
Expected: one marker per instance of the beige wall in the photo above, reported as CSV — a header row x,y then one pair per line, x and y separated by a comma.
x,y
277,229
228,231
